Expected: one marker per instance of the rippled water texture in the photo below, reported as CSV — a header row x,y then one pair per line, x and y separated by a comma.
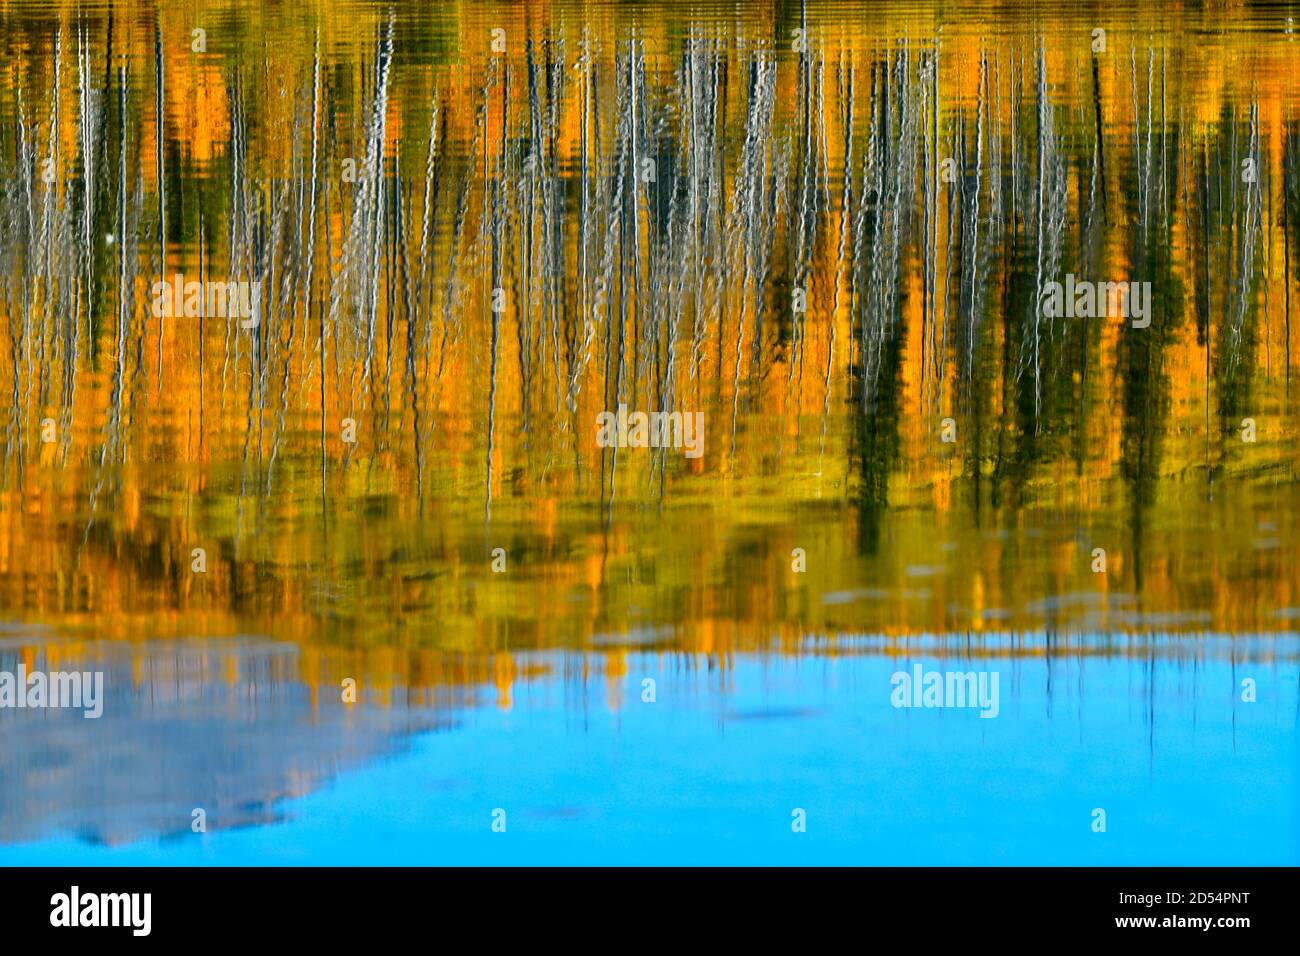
x,y
324,334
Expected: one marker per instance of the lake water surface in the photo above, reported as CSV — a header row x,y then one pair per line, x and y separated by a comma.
x,y
366,580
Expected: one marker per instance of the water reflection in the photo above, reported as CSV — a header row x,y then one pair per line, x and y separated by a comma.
x,y
833,240
1152,728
